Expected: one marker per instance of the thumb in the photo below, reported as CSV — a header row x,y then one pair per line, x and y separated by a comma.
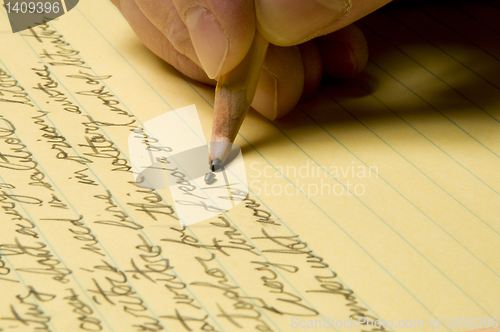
x,y
221,31
292,22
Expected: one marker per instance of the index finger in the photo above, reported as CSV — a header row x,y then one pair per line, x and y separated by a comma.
x,y
221,31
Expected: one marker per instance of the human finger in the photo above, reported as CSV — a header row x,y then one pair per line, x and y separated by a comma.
x,y
292,22
344,53
288,74
281,82
157,42
220,31
164,16
282,77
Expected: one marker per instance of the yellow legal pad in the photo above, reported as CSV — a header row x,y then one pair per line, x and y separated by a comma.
x,y
376,200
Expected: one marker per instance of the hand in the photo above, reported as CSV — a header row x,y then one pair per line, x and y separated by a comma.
x,y
204,39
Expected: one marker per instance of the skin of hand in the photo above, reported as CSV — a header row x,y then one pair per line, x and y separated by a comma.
x,y
204,39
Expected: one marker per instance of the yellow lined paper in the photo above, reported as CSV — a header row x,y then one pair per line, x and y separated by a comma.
x,y
376,198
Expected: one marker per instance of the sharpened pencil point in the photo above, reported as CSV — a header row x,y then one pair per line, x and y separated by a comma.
x,y
215,165
233,96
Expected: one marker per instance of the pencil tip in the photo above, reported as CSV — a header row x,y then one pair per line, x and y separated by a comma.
x,y
215,165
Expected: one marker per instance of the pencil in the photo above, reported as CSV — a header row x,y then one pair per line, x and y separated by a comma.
x,y
233,96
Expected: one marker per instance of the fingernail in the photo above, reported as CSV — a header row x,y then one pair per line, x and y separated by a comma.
x,y
209,40
266,96
291,22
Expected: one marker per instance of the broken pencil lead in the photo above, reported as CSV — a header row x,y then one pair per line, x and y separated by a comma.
x,y
210,178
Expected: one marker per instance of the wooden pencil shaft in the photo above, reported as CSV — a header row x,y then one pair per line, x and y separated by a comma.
x,y
245,75
233,96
